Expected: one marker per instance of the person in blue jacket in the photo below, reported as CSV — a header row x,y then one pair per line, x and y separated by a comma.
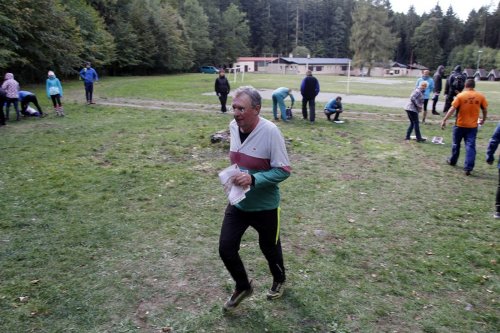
x,y
55,92
427,93
89,76
490,158
334,106
309,88
26,97
279,96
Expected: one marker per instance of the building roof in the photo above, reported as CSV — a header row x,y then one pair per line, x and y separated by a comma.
x,y
469,72
314,61
482,73
398,65
417,66
495,73
269,59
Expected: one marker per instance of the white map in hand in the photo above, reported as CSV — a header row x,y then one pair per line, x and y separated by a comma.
x,y
234,192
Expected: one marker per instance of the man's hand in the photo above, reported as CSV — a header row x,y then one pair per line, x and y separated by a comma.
x,y
243,179
443,124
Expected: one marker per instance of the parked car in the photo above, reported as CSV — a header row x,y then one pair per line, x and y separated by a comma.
x,y
209,69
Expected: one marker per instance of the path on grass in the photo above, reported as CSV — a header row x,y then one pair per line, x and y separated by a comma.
x,y
355,111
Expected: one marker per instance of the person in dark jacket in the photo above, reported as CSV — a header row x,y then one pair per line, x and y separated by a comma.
x,y
490,158
309,89
438,85
450,90
222,89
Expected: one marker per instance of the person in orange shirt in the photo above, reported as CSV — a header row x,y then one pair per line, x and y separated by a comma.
x,y
469,103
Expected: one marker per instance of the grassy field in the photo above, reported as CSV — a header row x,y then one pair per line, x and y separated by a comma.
x,y
110,216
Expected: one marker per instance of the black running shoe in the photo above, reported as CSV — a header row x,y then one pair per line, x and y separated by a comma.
x,y
237,297
276,290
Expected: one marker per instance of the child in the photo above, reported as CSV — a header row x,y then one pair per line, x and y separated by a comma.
x,y
11,88
55,92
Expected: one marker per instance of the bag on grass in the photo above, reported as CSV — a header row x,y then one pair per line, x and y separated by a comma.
x,y
288,112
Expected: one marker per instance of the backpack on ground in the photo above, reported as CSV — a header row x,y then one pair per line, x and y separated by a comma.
x,y
288,113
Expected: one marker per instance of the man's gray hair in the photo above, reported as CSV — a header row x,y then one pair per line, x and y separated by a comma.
x,y
251,92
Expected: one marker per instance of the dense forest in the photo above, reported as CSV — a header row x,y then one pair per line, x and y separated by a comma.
x,y
165,36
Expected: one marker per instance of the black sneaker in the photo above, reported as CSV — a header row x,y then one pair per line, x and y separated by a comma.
x,y
435,113
467,172
237,297
276,290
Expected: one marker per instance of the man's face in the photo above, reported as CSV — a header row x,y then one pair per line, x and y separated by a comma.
x,y
245,115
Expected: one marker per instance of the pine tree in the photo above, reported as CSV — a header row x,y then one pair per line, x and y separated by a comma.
x,y
374,45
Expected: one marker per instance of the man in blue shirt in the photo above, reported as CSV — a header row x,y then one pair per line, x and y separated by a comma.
x,y
89,76
334,106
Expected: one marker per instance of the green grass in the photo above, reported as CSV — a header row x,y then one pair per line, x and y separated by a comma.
x,y
109,222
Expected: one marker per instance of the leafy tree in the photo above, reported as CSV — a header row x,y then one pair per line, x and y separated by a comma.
x,y
197,30
427,50
173,53
99,45
450,33
301,52
468,56
375,44
236,36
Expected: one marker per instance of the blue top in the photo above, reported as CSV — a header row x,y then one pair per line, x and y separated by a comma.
x,y
282,93
23,94
492,146
89,75
333,105
53,86
430,85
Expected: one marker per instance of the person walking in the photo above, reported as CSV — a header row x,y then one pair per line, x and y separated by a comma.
x,y
438,85
309,88
413,107
278,97
55,92
258,148
89,76
26,97
427,93
454,86
222,89
490,158
11,88
469,103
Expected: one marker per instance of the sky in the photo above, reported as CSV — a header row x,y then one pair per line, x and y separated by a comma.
x,y
461,7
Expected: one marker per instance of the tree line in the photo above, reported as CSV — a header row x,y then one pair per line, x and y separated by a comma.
x,y
166,36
